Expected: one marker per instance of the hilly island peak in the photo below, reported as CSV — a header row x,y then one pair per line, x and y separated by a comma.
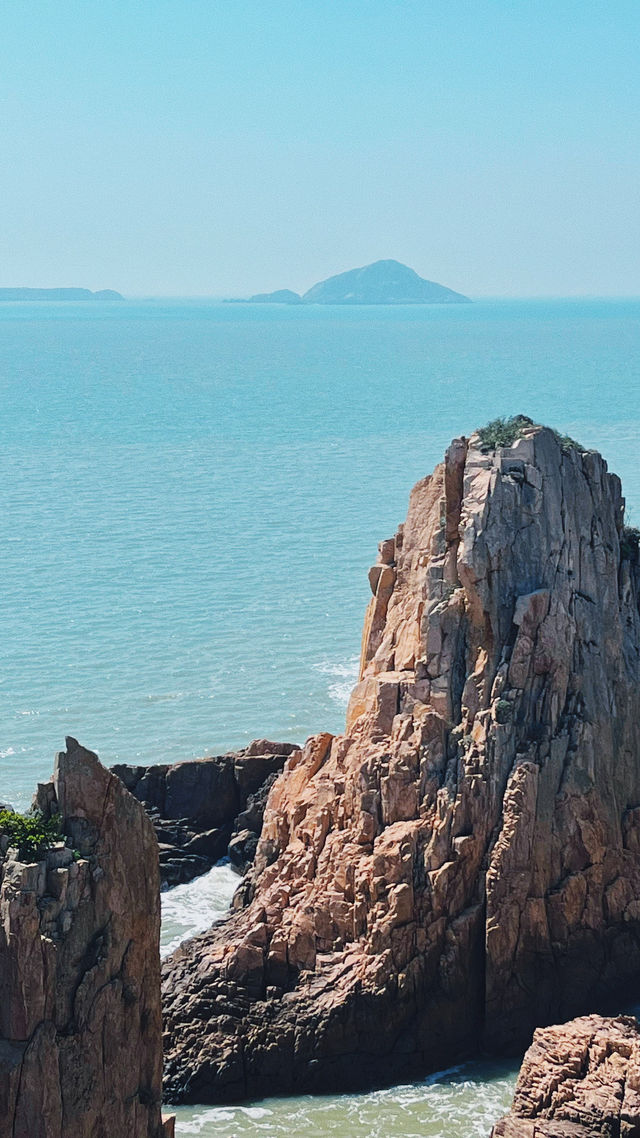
x,y
383,282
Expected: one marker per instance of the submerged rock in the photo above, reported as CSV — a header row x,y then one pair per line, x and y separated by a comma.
x,y
463,864
579,1080
80,1018
200,806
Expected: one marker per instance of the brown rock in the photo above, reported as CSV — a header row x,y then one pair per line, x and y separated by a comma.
x,y
80,1019
464,864
579,1080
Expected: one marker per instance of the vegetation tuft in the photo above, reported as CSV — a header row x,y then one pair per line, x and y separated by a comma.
x,y
503,711
30,833
504,432
630,544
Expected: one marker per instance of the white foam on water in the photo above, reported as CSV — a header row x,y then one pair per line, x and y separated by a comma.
x,y
192,908
463,1102
346,672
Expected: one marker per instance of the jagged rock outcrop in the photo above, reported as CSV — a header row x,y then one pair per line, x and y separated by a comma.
x,y
80,1018
463,864
204,809
579,1080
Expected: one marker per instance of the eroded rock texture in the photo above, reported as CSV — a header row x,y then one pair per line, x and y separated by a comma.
x,y
580,1080
80,1019
464,863
204,809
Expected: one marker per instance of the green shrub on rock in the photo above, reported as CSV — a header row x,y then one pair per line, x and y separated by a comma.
x,y
504,432
630,544
31,834
503,711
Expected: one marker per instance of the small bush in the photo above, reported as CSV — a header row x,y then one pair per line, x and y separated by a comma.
x,y
30,833
505,432
567,443
630,544
503,711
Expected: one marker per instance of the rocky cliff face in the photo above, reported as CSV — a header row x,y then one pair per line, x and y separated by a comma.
x,y
205,809
464,863
80,1020
581,1080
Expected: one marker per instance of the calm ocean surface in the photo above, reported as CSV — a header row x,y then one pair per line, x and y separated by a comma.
x,y
192,494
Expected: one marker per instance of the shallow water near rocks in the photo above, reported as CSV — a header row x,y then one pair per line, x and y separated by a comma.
x,y
463,1103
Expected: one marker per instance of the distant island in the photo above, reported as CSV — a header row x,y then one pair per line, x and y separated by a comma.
x,y
383,282
280,296
58,294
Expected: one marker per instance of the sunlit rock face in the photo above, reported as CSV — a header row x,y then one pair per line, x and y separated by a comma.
x,y
464,863
579,1080
80,1020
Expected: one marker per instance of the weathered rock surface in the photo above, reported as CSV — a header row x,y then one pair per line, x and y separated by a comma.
x,y
200,806
80,1018
579,1080
463,865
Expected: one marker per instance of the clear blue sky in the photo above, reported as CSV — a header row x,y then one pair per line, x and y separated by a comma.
x,y
218,147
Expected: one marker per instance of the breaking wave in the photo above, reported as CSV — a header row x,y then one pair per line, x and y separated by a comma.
x,y
192,908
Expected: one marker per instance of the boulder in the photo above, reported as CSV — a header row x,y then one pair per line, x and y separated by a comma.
x,y
80,1018
579,1080
463,864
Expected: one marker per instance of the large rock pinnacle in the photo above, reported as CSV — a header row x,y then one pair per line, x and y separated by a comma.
x,y
80,1019
464,863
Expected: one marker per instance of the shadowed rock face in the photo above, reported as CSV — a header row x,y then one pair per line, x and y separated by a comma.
x,y
580,1080
464,863
204,809
80,1019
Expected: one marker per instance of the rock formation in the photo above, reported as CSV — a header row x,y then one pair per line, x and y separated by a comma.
x,y
581,1080
463,864
80,1019
206,809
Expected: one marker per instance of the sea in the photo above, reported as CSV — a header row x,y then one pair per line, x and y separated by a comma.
x,y
192,493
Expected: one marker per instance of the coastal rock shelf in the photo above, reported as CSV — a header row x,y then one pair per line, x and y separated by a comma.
x,y
463,864
80,1018
580,1080
205,809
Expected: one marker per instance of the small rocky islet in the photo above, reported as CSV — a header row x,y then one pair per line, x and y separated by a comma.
x,y
459,868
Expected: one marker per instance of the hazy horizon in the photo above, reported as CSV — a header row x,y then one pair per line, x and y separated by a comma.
x,y
214,150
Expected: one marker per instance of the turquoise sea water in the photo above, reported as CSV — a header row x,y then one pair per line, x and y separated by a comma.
x,y
192,494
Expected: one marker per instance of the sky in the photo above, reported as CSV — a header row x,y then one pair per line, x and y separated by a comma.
x,y
224,147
